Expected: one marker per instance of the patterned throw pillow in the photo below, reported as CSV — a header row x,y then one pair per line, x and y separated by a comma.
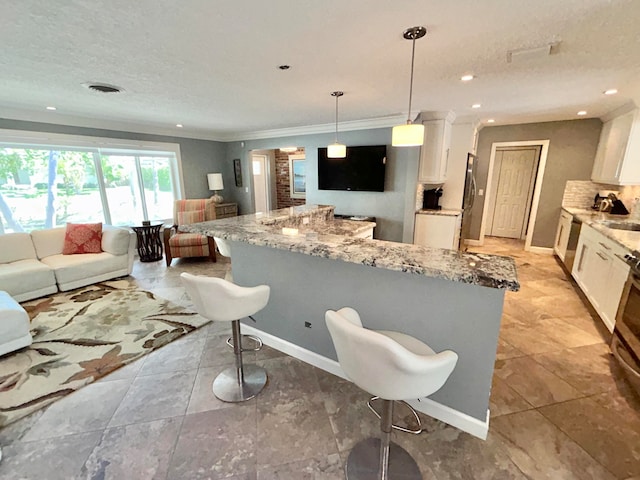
x,y
82,238
190,216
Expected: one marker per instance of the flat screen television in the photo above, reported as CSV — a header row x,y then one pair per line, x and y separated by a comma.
x,y
362,170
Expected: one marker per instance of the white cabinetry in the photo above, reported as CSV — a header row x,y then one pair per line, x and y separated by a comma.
x,y
617,158
440,231
434,153
562,234
600,273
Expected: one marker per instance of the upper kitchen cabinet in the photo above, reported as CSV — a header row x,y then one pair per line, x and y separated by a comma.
x,y
618,156
434,153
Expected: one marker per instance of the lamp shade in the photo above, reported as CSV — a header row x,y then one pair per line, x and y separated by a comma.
x,y
215,181
336,150
408,135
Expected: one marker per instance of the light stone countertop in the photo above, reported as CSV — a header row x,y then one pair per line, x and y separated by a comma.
x,y
326,237
443,212
627,239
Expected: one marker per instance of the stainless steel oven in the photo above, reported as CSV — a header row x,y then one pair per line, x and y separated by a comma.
x,y
625,343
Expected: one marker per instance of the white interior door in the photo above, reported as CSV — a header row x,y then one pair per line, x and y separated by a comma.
x,y
513,193
260,165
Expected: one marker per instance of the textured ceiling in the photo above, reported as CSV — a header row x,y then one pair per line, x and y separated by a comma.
x,y
212,65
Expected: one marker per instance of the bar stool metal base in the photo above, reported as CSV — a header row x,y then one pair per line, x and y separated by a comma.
x,y
363,462
394,426
253,338
228,389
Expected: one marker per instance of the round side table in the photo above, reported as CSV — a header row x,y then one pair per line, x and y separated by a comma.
x,y
149,241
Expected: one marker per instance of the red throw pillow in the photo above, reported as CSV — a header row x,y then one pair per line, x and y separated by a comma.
x,y
82,238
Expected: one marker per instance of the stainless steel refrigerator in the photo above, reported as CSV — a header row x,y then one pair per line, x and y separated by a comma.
x,y
468,199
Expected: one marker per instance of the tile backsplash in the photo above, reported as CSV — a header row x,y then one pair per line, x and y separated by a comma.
x,y
580,193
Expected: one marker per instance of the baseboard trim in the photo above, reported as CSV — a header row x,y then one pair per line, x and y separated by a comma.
x,y
473,243
452,417
446,414
541,250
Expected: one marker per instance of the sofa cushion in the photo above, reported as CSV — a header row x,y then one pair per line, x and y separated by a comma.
x,y
115,240
24,276
188,240
48,242
190,216
70,268
82,238
16,246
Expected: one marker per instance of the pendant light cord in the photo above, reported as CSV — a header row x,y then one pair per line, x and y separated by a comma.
x,y
337,118
413,54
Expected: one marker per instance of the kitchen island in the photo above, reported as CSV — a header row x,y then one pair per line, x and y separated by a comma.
x,y
313,262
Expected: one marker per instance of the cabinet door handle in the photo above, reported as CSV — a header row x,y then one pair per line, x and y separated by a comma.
x,y
582,252
602,256
605,246
559,235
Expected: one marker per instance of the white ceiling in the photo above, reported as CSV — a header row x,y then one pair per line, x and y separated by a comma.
x,y
212,65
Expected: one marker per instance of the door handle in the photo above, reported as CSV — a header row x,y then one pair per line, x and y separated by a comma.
x,y
605,246
602,256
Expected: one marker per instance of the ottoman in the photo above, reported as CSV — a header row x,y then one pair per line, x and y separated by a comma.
x,y
14,325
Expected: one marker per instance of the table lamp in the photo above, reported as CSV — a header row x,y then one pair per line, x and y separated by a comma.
x,y
215,184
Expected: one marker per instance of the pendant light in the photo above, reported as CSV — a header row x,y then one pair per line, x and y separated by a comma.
x,y
337,150
410,135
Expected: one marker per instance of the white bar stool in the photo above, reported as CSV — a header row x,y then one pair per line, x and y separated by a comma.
x,y
222,301
392,366
224,249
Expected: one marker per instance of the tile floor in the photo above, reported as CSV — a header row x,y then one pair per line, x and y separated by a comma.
x,y
559,408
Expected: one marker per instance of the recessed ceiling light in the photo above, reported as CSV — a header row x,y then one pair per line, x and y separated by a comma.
x,y
179,125
611,91
582,112
51,108
476,105
467,78
491,120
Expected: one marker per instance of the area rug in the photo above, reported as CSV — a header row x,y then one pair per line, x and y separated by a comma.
x,y
82,335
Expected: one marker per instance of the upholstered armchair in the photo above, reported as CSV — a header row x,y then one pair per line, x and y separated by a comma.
x,y
182,244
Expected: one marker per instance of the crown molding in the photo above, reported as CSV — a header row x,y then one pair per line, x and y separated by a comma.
x,y
55,118
352,125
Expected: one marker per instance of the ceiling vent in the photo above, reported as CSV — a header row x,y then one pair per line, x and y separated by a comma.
x,y
528,54
102,87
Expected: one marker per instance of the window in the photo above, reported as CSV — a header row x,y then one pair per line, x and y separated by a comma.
x,y
43,186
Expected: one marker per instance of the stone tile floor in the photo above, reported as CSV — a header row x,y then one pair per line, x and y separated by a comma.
x,y
559,406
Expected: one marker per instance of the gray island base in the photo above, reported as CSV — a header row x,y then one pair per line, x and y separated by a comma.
x,y
459,308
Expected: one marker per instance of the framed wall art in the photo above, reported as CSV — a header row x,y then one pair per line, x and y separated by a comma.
x,y
237,171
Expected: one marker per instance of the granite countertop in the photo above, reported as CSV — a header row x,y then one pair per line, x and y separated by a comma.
x,y
627,239
326,237
444,212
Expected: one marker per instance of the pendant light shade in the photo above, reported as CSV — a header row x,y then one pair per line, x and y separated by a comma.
x,y
337,150
410,135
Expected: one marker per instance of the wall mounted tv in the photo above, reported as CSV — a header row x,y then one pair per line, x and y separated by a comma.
x,y
362,170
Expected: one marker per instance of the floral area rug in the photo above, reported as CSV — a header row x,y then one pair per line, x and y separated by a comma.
x,y
82,335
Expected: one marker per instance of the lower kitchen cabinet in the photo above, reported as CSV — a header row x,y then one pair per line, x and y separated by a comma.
x,y
599,272
437,230
562,234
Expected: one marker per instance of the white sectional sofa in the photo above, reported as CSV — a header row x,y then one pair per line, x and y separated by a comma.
x,y
32,265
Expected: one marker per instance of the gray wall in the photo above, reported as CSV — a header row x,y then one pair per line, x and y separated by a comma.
x,y
389,207
572,149
199,157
